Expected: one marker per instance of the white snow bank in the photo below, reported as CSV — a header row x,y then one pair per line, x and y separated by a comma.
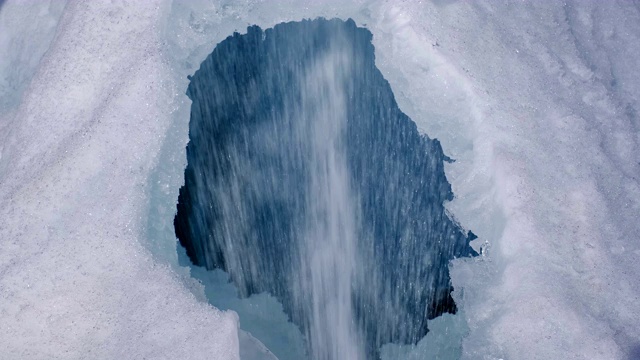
x,y
547,94
75,281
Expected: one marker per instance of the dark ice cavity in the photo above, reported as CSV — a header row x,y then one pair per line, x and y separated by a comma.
x,y
305,180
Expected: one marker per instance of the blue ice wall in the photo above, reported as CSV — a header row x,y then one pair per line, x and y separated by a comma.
x,y
304,179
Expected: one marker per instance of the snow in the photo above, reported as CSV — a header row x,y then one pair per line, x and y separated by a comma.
x,y
27,30
537,102
556,139
76,280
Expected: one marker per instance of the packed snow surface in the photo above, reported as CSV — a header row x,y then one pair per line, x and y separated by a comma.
x,y
75,279
537,101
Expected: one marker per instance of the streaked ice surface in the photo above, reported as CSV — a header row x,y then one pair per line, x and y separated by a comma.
x,y
537,102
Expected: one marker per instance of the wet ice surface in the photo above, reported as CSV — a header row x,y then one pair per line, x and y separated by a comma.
x,y
261,316
536,101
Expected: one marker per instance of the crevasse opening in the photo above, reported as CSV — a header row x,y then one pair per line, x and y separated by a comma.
x,y
306,181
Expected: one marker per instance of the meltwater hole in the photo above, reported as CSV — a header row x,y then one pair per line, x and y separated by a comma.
x,y
306,181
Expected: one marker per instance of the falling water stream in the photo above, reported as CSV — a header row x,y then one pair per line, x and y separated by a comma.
x,y
330,239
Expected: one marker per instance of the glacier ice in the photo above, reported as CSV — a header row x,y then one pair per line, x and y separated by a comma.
x,y
261,315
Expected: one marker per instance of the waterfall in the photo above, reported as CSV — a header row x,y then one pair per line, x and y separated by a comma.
x,y
328,255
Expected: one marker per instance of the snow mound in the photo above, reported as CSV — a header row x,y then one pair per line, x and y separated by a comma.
x,y
75,279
